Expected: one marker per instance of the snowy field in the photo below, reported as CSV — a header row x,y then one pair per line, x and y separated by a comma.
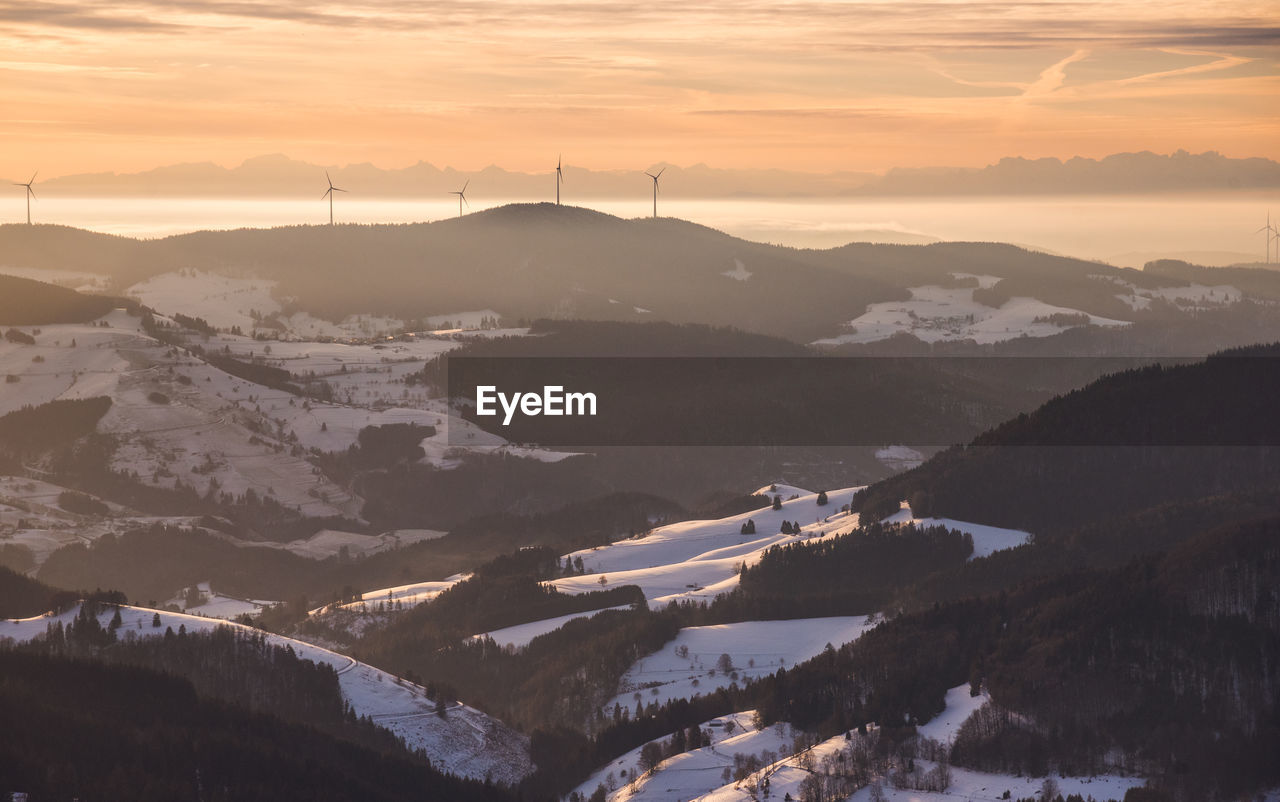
x,y
178,419
695,772
519,635
939,314
960,705
900,458
32,517
697,559
407,595
1193,296
217,605
987,540
465,742
694,663
700,774
979,786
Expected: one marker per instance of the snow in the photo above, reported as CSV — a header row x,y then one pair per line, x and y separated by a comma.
x,y
699,774
785,776
697,559
465,742
960,705
985,281
739,271
222,301
518,636
1193,296
900,458
461,320
698,771
976,785
937,314
755,649
987,540
32,517
408,595
330,542
217,605
784,490
78,280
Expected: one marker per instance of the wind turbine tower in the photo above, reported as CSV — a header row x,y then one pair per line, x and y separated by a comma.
x,y
655,190
559,179
328,193
1273,234
31,193
462,197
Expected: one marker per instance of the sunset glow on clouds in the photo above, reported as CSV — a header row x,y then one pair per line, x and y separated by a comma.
x,y
809,85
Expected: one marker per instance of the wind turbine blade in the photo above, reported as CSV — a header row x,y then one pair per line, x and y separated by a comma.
x,y
465,185
335,189
33,177
326,193
464,200
660,172
33,192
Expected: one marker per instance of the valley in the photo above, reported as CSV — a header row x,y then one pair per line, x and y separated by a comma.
x,y
256,456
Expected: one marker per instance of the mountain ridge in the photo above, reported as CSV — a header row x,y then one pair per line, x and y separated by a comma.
x,y
277,175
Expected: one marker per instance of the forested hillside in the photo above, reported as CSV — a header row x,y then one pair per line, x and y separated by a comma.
x,y
1166,665
25,302
1127,442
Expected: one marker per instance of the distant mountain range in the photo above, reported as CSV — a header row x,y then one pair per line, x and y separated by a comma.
x,y
280,176
529,261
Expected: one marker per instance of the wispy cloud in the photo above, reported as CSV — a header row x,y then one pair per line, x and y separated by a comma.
x,y
1222,61
1054,76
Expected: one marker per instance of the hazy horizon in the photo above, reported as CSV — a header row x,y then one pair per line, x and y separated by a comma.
x,y
1124,230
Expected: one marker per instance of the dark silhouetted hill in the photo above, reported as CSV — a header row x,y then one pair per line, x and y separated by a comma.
x,y
25,302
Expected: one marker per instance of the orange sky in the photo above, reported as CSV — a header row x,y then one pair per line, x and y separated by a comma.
x,y
808,84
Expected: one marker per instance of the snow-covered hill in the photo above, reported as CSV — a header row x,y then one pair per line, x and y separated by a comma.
x,y
464,742
695,662
787,757
938,314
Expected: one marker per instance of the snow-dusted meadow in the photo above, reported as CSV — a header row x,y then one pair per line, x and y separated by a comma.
x,y
694,663
702,774
941,314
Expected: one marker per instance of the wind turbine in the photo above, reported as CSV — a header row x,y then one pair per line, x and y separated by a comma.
x,y
559,179
1272,234
328,193
31,193
462,197
655,189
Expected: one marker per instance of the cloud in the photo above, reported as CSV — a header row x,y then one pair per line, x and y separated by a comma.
x,y
1054,76
62,15
1223,62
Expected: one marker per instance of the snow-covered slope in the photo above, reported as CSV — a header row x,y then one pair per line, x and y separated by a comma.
x,y
693,663
465,742
936,314
986,539
698,771
697,559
